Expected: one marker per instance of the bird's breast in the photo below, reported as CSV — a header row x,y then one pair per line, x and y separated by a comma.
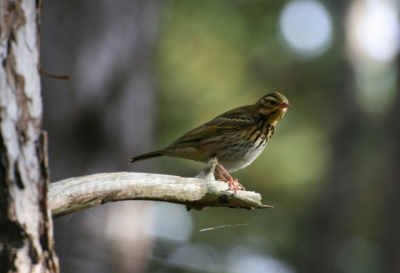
x,y
246,149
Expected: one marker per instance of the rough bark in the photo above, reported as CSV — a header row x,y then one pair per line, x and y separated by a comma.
x,y
26,243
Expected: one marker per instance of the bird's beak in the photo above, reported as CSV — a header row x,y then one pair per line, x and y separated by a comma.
x,y
285,105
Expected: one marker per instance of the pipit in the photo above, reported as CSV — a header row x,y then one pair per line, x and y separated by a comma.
x,y
236,138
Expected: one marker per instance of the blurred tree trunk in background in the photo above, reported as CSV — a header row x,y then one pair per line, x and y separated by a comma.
x,y
335,217
26,228
98,119
332,211
391,239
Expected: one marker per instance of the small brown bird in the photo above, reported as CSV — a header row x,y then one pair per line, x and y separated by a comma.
x,y
235,138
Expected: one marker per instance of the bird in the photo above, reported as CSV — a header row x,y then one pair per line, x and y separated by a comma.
x,y
236,138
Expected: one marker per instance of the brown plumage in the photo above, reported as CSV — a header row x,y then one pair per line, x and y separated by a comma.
x,y
235,138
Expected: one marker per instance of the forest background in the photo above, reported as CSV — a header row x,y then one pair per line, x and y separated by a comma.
x,y
145,72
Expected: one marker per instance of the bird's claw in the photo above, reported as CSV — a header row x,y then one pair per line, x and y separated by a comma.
x,y
233,184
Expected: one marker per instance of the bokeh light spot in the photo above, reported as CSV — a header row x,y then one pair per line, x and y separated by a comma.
x,y
306,27
172,223
245,259
377,30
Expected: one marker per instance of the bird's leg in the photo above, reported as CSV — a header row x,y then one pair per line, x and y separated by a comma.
x,y
221,177
233,183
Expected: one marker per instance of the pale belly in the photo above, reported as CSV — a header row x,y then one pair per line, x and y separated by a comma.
x,y
233,156
240,158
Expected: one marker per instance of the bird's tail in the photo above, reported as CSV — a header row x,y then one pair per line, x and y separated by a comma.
x,y
146,156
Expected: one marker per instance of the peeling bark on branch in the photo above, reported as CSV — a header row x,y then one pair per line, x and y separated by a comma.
x,y
80,193
26,235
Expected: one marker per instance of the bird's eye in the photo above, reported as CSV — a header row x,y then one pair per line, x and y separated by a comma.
x,y
272,102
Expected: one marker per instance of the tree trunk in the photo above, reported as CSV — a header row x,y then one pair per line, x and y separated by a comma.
x,y
334,211
26,243
391,238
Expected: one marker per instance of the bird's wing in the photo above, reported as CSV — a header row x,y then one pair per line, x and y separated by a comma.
x,y
233,120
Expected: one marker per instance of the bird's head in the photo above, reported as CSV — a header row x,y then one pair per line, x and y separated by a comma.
x,y
273,106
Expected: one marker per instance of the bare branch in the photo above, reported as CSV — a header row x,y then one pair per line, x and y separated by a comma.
x,y
80,193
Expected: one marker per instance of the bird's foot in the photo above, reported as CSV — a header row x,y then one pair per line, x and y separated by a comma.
x,y
233,183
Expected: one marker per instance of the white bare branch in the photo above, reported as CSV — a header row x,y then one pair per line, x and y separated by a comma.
x,y
80,193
